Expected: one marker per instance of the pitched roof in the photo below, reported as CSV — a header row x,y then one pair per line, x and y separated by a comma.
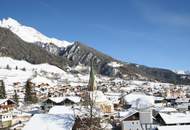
x,y
175,118
175,127
4,100
126,114
139,100
74,99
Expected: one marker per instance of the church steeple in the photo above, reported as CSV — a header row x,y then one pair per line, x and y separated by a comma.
x,y
92,79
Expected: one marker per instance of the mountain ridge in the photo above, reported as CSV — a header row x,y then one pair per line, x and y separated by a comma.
x,y
79,53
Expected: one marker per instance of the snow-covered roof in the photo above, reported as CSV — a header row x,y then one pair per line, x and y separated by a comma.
x,y
39,80
175,127
166,109
159,98
50,122
4,100
61,110
175,118
139,100
75,99
125,114
182,100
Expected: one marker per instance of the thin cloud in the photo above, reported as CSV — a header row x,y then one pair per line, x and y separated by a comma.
x,y
156,14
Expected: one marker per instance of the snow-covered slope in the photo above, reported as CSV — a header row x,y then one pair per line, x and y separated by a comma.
x,y
7,62
30,34
181,72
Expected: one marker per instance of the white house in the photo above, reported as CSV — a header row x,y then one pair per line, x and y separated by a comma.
x,y
130,120
6,106
175,118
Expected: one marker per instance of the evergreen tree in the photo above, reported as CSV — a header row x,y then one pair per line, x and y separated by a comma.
x,y
2,89
30,97
15,97
23,69
28,92
8,67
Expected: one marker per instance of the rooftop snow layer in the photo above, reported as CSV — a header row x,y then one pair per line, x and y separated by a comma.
x,y
50,122
61,110
139,100
175,118
175,127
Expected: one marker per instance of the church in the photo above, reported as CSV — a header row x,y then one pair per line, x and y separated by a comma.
x,y
96,96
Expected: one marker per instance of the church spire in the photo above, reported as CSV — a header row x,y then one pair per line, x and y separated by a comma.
x,y
92,79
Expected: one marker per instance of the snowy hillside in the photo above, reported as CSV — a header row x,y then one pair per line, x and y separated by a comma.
x,y
181,72
30,34
9,62
14,76
13,71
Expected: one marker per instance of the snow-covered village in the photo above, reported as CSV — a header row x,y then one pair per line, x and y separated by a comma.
x,y
125,65
45,97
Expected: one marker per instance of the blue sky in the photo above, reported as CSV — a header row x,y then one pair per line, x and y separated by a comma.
x,y
149,32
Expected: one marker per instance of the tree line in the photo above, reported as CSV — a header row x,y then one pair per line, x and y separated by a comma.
x,y
29,98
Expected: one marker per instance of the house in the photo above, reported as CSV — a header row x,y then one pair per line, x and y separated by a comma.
x,y
141,118
182,104
83,123
136,120
175,93
175,127
6,106
130,120
67,100
160,101
175,118
138,99
56,94
114,98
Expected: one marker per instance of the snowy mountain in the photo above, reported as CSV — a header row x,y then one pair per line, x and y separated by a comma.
x,y
30,34
181,72
14,39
